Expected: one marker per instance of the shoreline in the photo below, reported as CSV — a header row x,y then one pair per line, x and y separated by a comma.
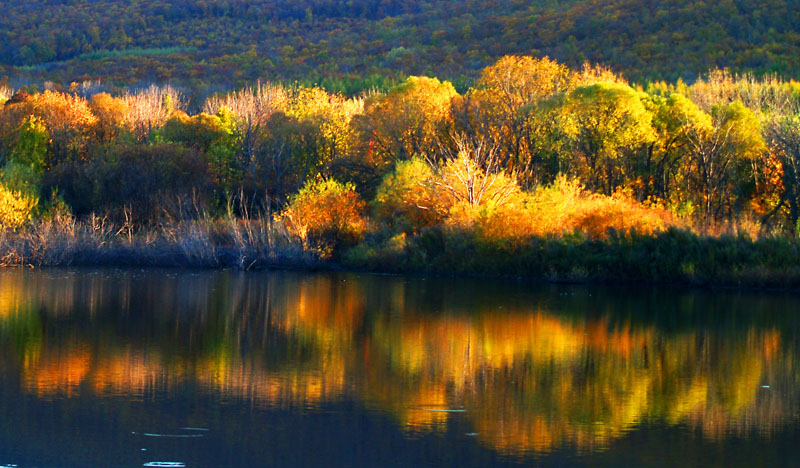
x,y
129,259
673,257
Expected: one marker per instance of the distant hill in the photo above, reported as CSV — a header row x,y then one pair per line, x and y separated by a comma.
x,y
355,44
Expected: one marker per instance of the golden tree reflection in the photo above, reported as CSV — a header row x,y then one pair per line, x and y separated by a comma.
x,y
525,377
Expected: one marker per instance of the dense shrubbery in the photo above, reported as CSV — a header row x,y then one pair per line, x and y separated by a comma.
x,y
672,256
536,170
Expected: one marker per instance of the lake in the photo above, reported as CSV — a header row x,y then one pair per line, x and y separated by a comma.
x,y
107,368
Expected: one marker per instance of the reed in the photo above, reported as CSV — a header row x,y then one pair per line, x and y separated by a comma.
x,y
243,243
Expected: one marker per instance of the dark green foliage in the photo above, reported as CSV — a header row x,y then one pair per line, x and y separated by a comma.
x,y
142,182
363,44
674,256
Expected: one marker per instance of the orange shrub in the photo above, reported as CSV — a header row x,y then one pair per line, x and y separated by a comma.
x,y
564,207
461,196
621,212
326,213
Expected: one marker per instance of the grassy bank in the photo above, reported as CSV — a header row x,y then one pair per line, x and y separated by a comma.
x,y
672,256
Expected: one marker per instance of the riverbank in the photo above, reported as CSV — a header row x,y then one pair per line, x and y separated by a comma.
x,y
674,256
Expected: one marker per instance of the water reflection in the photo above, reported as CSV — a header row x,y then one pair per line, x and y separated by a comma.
x,y
534,369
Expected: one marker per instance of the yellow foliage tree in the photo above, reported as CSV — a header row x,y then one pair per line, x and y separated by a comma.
x,y
15,208
404,199
408,120
716,145
332,114
505,107
110,112
605,121
67,118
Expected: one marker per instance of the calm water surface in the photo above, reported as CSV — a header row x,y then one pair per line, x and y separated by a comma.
x,y
221,369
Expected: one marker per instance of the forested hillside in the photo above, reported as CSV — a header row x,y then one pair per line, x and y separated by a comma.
x,y
357,44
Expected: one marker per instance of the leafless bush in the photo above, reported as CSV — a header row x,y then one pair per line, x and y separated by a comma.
x,y
767,95
251,106
470,171
150,108
5,93
88,88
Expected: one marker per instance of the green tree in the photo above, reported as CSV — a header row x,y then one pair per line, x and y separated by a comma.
x,y
606,122
673,117
716,145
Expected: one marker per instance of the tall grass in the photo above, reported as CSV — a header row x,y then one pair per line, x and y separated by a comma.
x,y
243,243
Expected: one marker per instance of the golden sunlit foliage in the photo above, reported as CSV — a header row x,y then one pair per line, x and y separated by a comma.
x,y
606,120
462,195
5,94
67,119
508,107
498,163
332,115
325,211
110,112
565,207
406,121
404,198
16,208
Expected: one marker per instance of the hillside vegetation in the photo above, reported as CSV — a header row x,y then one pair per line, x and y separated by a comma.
x,y
361,44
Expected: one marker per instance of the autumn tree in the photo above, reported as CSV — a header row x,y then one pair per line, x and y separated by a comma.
x,y
457,185
507,107
783,135
408,120
716,144
404,200
332,114
110,112
660,171
606,122
326,215
67,119
472,176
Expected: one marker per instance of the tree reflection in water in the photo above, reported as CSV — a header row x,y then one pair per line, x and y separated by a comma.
x,y
533,368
